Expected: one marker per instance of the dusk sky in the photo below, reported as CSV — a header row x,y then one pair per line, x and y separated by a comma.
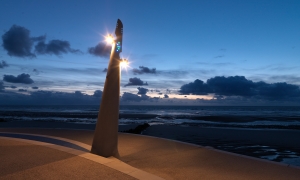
x,y
241,52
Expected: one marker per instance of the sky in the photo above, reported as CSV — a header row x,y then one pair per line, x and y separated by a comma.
x,y
209,52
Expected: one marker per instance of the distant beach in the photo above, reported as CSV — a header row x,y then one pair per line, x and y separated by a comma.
x,y
271,133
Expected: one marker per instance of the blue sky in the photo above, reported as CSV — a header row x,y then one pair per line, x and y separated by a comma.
x,y
182,40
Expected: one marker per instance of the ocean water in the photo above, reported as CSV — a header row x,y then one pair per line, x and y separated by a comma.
x,y
238,117
206,116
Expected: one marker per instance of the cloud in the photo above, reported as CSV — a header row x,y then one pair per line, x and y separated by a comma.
x,y
101,49
143,70
232,85
197,87
78,93
13,87
22,78
97,93
129,97
136,82
1,86
104,70
240,86
3,64
166,96
142,90
17,42
56,47
35,87
22,90
47,98
277,90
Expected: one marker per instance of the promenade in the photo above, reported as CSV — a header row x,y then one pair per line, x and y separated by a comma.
x,y
38,153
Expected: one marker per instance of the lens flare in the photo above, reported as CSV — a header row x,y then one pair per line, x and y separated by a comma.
x,y
109,39
124,64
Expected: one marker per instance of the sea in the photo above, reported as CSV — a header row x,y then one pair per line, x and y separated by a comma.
x,y
227,117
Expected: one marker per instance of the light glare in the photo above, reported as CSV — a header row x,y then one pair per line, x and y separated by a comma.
x,y
109,39
124,64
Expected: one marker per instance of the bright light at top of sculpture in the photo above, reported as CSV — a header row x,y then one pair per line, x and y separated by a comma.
x,y
109,39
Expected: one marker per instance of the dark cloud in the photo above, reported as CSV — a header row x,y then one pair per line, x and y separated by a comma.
x,y
13,87
1,86
233,85
142,90
197,87
35,87
104,70
97,93
78,93
22,78
17,42
136,82
166,96
240,86
154,90
101,49
128,97
3,64
22,90
56,47
143,70
277,90
160,93
47,98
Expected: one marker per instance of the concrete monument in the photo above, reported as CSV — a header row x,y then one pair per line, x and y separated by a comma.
x,y
105,142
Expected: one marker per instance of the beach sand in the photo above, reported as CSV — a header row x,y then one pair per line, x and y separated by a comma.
x,y
175,160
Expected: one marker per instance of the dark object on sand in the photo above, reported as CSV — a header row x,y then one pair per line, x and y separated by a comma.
x,y
138,129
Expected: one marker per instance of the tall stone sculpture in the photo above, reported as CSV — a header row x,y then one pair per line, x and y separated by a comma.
x,y
105,142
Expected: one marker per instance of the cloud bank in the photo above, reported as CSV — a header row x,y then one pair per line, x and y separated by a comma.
x,y
142,90
55,47
240,86
22,78
18,42
136,82
101,49
48,98
129,97
144,70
